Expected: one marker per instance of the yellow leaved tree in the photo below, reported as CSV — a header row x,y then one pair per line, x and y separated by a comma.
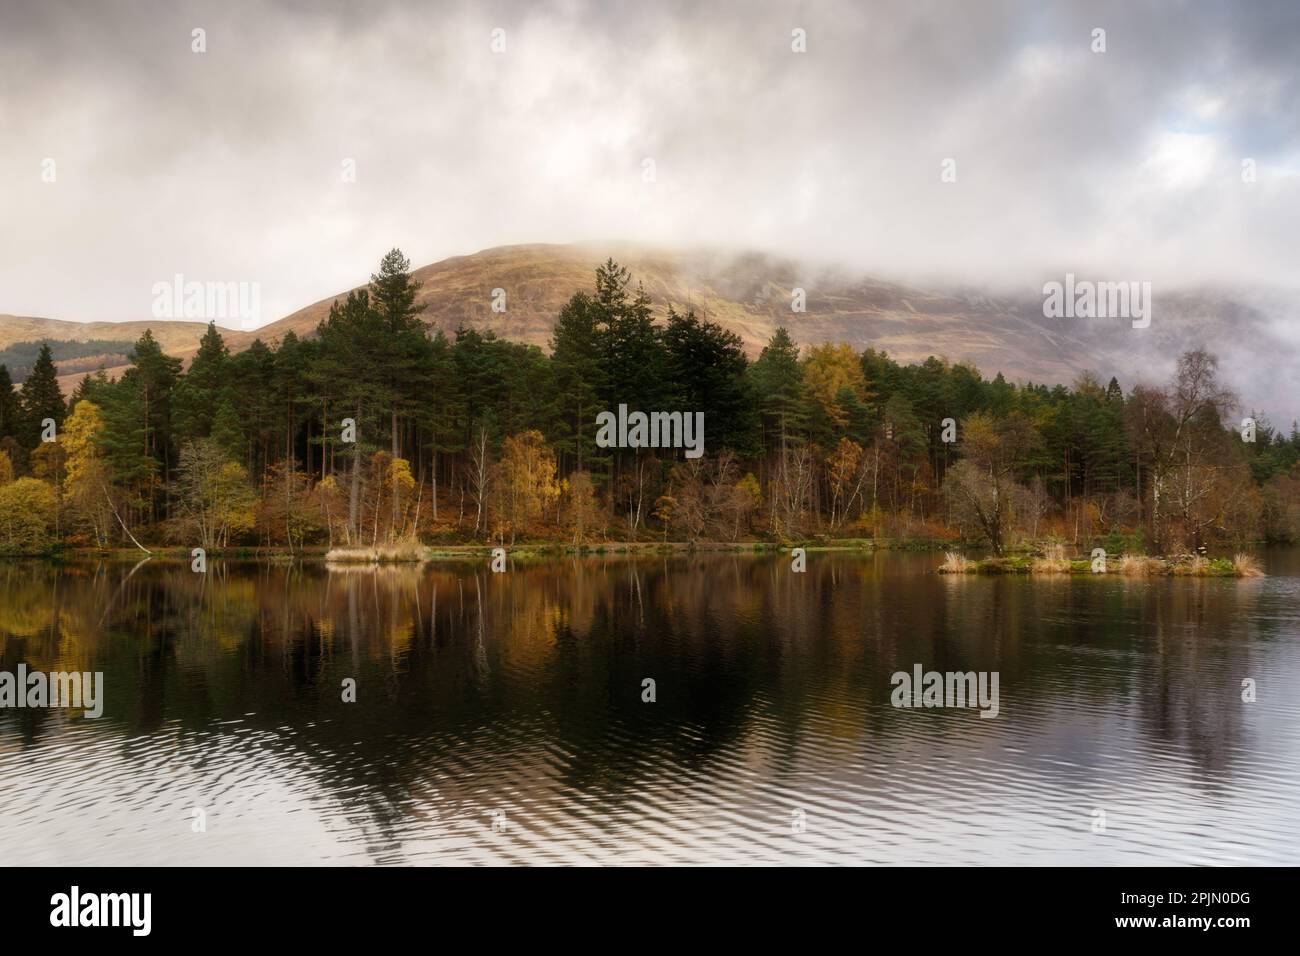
x,y
527,486
85,474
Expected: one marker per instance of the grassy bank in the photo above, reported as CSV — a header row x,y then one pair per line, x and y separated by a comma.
x,y
1051,560
411,553
415,553
408,554
1054,562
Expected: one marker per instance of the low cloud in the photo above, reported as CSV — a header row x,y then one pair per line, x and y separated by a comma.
x,y
226,165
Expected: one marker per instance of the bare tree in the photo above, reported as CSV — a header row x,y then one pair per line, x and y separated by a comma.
x,y
1178,429
480,469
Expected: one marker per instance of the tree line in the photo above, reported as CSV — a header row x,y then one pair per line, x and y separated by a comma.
x,y
375,431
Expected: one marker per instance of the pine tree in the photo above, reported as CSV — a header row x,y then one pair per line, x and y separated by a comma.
x,y
405,354
286,375
480,371
635,359
352,344
197,394
123,442
89,388
393,291
580,376
406,357
707,367
1001,395
251,389
227,431
41,398
778,385
10,409
437,412
152,380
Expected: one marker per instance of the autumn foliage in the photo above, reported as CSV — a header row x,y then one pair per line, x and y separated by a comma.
x,y
375,433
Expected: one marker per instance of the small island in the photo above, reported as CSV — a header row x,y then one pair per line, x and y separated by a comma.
x,y
1055,561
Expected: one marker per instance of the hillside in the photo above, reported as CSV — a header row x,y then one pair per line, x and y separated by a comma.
x,y
176,337
751,294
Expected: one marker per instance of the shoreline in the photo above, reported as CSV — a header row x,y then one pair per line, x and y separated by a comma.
x,y
415,554
1043,560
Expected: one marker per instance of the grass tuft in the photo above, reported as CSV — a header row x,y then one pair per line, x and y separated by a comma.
x,y
954,563
1247,566
1139,566
406,552
1053,561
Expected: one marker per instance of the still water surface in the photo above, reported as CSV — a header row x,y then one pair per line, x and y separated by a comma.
x,y
499,717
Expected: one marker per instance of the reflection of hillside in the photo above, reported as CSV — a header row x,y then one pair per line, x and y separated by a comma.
x,y
540,670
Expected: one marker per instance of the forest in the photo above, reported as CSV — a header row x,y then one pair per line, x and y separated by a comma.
x,y
376,432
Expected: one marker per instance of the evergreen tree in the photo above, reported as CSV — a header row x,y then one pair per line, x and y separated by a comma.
x,y
526,405
123,442
777,381
707,371
635,359
251,388
351,358
480,370
437,414
393,291
406,355
198,393
11,424
581,380
152,380
228,432
883,377
288,371
407,359
1001,396
41,398
928,387
88,388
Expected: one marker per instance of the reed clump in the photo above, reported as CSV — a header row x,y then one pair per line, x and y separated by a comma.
x,y
1247,565
1053,560
1139,566
402,552
954,563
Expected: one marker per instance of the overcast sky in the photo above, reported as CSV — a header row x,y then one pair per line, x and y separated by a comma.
x,y
226,165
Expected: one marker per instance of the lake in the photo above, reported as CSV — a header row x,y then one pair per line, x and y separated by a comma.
x,y
499,718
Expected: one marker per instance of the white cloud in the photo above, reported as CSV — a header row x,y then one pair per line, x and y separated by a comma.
x,y
1181,161
225,165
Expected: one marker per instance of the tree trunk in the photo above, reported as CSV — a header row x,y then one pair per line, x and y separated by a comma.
x,y
354,494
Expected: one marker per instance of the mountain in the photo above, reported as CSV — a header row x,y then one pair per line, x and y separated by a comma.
x,y
176,338
172,335
750,293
